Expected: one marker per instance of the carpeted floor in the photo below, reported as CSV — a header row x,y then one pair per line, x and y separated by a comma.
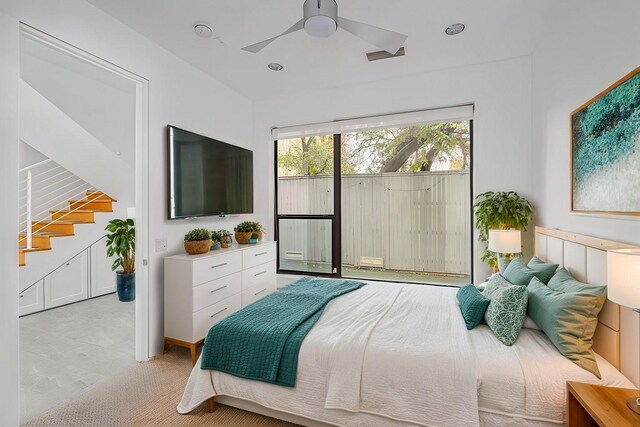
x,y
147,395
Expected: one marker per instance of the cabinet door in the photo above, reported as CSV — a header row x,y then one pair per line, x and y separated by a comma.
x,y
31,300
103,279
68,283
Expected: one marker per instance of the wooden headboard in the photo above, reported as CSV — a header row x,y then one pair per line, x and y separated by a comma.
x,y
617,336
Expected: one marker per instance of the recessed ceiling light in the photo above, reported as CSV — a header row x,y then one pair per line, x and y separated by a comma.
x,y
203,30
454,29
274,66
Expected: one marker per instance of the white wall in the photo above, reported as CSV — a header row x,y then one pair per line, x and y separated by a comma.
x,y
501,92
9,135
179,94
29,155
595,44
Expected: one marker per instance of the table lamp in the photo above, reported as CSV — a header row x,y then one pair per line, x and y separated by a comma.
x,y
623,287
505,242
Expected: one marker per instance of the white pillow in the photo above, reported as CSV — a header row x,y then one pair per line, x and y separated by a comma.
x,y
530,324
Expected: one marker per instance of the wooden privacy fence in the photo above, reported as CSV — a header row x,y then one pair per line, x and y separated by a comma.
x,y
398,221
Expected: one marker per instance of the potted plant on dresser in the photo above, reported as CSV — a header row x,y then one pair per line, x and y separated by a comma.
x,y
197,241
225,238
121,243
500,211
245,230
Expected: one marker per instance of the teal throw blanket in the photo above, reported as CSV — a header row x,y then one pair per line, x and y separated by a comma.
x,y
262,341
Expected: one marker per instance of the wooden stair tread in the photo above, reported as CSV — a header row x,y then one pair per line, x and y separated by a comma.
x,y
100,194
46,234
71,211
91,201
25,250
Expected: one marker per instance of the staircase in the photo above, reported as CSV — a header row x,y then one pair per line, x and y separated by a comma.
x,y
62,222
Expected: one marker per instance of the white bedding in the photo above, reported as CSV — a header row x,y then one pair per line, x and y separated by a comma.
x,y
400,355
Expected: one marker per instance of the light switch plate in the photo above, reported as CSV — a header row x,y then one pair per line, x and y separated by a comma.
x,y
161,244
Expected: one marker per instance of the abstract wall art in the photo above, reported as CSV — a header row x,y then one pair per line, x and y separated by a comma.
x,y
605,151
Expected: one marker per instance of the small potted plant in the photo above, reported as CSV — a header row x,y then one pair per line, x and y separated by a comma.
x,y
197,241
121,243
216,240
245,230
254,239
225,238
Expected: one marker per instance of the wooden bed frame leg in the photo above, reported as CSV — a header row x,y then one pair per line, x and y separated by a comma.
x,y
212,405
193,348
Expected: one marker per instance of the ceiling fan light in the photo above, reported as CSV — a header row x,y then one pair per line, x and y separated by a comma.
x,y
320,26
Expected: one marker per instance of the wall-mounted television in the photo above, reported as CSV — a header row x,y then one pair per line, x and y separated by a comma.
x,y
207,177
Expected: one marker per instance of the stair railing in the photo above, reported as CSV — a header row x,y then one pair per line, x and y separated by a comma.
x,y
46,186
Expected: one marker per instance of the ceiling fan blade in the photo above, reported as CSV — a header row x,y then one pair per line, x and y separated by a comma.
x,y
384,39
257,47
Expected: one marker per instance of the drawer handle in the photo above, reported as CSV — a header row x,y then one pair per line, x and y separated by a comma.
x,y
219,289
218,312
261,253
219,265
258,274
259,292
21,296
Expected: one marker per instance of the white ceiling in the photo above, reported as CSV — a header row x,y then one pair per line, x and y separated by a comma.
x,y
496,29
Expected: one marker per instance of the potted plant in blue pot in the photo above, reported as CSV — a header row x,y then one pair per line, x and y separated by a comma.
x,y
121,243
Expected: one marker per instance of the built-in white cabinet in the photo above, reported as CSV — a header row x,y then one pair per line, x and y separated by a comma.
x,y
69,283
32,300
86,275
201,290
103,279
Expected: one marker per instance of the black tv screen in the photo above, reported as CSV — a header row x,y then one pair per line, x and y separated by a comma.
x,y
207,176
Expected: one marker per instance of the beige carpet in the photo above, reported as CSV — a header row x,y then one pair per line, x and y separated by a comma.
x,y
147,395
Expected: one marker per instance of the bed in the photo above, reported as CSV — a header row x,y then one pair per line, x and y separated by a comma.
x,y
400,355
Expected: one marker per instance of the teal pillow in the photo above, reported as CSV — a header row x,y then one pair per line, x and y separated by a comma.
x,y
495,282
472,305
567,311
543,271
518,273
506,312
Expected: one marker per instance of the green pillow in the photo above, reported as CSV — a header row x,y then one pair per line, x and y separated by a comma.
x,y
567,311
472,305
495,282
543,271
518,273
506,312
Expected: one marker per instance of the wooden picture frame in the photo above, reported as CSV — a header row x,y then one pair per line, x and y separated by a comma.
x,y
603,182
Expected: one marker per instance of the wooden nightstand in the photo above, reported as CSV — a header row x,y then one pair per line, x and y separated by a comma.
x,y
593,405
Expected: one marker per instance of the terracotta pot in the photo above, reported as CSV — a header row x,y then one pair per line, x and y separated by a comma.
x,y
243,237
197,247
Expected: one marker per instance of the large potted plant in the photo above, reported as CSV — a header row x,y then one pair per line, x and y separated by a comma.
x,y
121,243
197,241
245,230
500,211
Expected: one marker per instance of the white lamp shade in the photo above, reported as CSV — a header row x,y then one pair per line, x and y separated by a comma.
x,y
623,277
505,241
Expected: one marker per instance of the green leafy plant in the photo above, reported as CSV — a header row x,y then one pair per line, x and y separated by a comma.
x,y
254,236
216,236
248,227
121,243
503,211
197,234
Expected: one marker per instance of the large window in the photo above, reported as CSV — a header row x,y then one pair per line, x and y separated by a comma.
x,y
377,202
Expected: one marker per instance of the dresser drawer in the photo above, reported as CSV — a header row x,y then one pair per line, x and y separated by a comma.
x,y
258,255
215,267
216,290
207,317
264,274
253,295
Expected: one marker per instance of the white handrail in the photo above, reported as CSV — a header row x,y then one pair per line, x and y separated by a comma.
x,y
29,224
35,165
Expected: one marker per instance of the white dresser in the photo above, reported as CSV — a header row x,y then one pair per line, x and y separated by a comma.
x,y
200,290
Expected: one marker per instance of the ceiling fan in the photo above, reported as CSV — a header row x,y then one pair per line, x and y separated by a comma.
x,y
320,19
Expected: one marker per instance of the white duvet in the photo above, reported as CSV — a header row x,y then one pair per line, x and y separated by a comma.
x,y
400,355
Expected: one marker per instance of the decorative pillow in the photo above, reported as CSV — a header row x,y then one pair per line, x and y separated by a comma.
x,y
543,271
496,282
567,311
518,273
506,312
472,305
530,324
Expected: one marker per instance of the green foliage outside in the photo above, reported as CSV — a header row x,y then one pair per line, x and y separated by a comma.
x,y
407,149
500,211
197,234
121,243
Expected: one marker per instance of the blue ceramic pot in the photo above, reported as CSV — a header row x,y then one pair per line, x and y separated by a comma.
x,y
126,287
